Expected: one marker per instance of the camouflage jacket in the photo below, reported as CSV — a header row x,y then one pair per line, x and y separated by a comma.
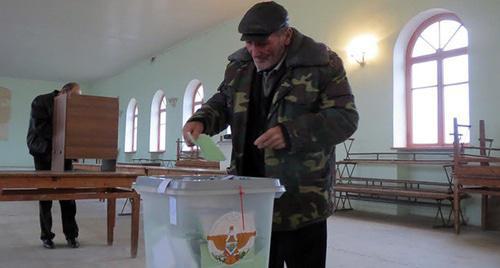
x,y
313,102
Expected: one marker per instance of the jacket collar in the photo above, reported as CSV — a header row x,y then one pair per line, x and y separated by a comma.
x,y
303,51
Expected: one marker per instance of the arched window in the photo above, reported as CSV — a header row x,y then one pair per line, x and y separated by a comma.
x,y
131,126
437,81
198,98
158,122
193,99
189,99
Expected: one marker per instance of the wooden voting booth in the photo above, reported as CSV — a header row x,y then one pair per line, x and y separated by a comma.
x,y
85,127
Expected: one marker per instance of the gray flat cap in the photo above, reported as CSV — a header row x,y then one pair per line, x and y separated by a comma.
x,y
261,20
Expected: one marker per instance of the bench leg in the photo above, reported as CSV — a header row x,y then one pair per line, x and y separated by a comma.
x,y
440,216
484,211
451,214
456,208
342,198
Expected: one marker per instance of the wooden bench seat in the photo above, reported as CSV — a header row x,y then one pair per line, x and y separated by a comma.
x,y
371,181
402,191
433,194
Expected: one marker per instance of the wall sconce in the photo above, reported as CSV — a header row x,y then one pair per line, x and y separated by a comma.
x,y
363,48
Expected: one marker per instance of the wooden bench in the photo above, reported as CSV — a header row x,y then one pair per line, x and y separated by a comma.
x,y
400,191
475,172
409,192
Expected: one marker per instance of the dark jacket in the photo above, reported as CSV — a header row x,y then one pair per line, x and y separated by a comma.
x,y
39,138
313,102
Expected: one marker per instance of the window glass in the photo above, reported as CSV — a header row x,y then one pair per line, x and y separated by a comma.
x,y
455,70
456,104
422,48
459,40
431,35
424,115
134,141
424,74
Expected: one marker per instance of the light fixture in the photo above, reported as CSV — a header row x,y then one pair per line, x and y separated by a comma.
x,y
362,48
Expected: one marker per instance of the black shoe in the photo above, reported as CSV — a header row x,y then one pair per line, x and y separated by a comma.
x,y
73,243
47,243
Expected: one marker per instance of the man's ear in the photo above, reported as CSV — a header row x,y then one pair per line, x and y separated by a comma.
x,y
288,36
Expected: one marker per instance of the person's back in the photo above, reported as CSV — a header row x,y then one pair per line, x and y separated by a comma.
x,y
39,138
39,141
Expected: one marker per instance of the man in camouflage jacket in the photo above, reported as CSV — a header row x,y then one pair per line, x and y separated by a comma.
x,y
303,105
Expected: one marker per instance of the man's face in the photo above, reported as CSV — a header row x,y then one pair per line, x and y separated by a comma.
x,y
267,53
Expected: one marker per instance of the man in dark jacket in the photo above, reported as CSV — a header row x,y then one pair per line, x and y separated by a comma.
x,y
39,141
288,102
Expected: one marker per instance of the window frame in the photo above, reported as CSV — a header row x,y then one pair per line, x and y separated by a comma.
x,y
194,103
439,56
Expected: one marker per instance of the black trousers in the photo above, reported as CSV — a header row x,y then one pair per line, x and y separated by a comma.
x,y
68,208
301,248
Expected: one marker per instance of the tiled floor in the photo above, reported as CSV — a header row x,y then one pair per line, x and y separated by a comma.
x,y
355,240
363,240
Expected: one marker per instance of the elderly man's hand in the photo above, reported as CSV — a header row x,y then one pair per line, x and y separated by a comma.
x,y
271,139
195,128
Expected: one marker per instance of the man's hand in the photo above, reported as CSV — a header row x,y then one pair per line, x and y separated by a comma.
x,y
193,127
271,139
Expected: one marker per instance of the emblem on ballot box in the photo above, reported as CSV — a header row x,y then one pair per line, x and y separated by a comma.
x,y
231,238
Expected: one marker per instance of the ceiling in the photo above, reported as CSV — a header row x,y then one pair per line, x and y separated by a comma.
x,y
88,40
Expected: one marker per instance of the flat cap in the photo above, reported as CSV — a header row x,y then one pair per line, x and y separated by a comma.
x,y
261,20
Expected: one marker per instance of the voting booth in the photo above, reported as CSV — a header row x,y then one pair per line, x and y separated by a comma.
x,y
85,127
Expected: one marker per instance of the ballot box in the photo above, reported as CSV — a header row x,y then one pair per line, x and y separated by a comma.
x,y
207,221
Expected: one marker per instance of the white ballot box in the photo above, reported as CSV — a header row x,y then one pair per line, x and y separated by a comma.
x,y
207,221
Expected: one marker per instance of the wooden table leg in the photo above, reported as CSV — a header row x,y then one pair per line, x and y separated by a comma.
x,y
111,219
136,204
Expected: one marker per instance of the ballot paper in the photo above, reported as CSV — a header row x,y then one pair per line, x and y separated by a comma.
x,y
209,150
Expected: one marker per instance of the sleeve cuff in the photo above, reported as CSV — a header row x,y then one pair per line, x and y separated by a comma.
x,y
286,136
199,120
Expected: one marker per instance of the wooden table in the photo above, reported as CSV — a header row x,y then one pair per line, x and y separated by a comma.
x,y
154,171
74,185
